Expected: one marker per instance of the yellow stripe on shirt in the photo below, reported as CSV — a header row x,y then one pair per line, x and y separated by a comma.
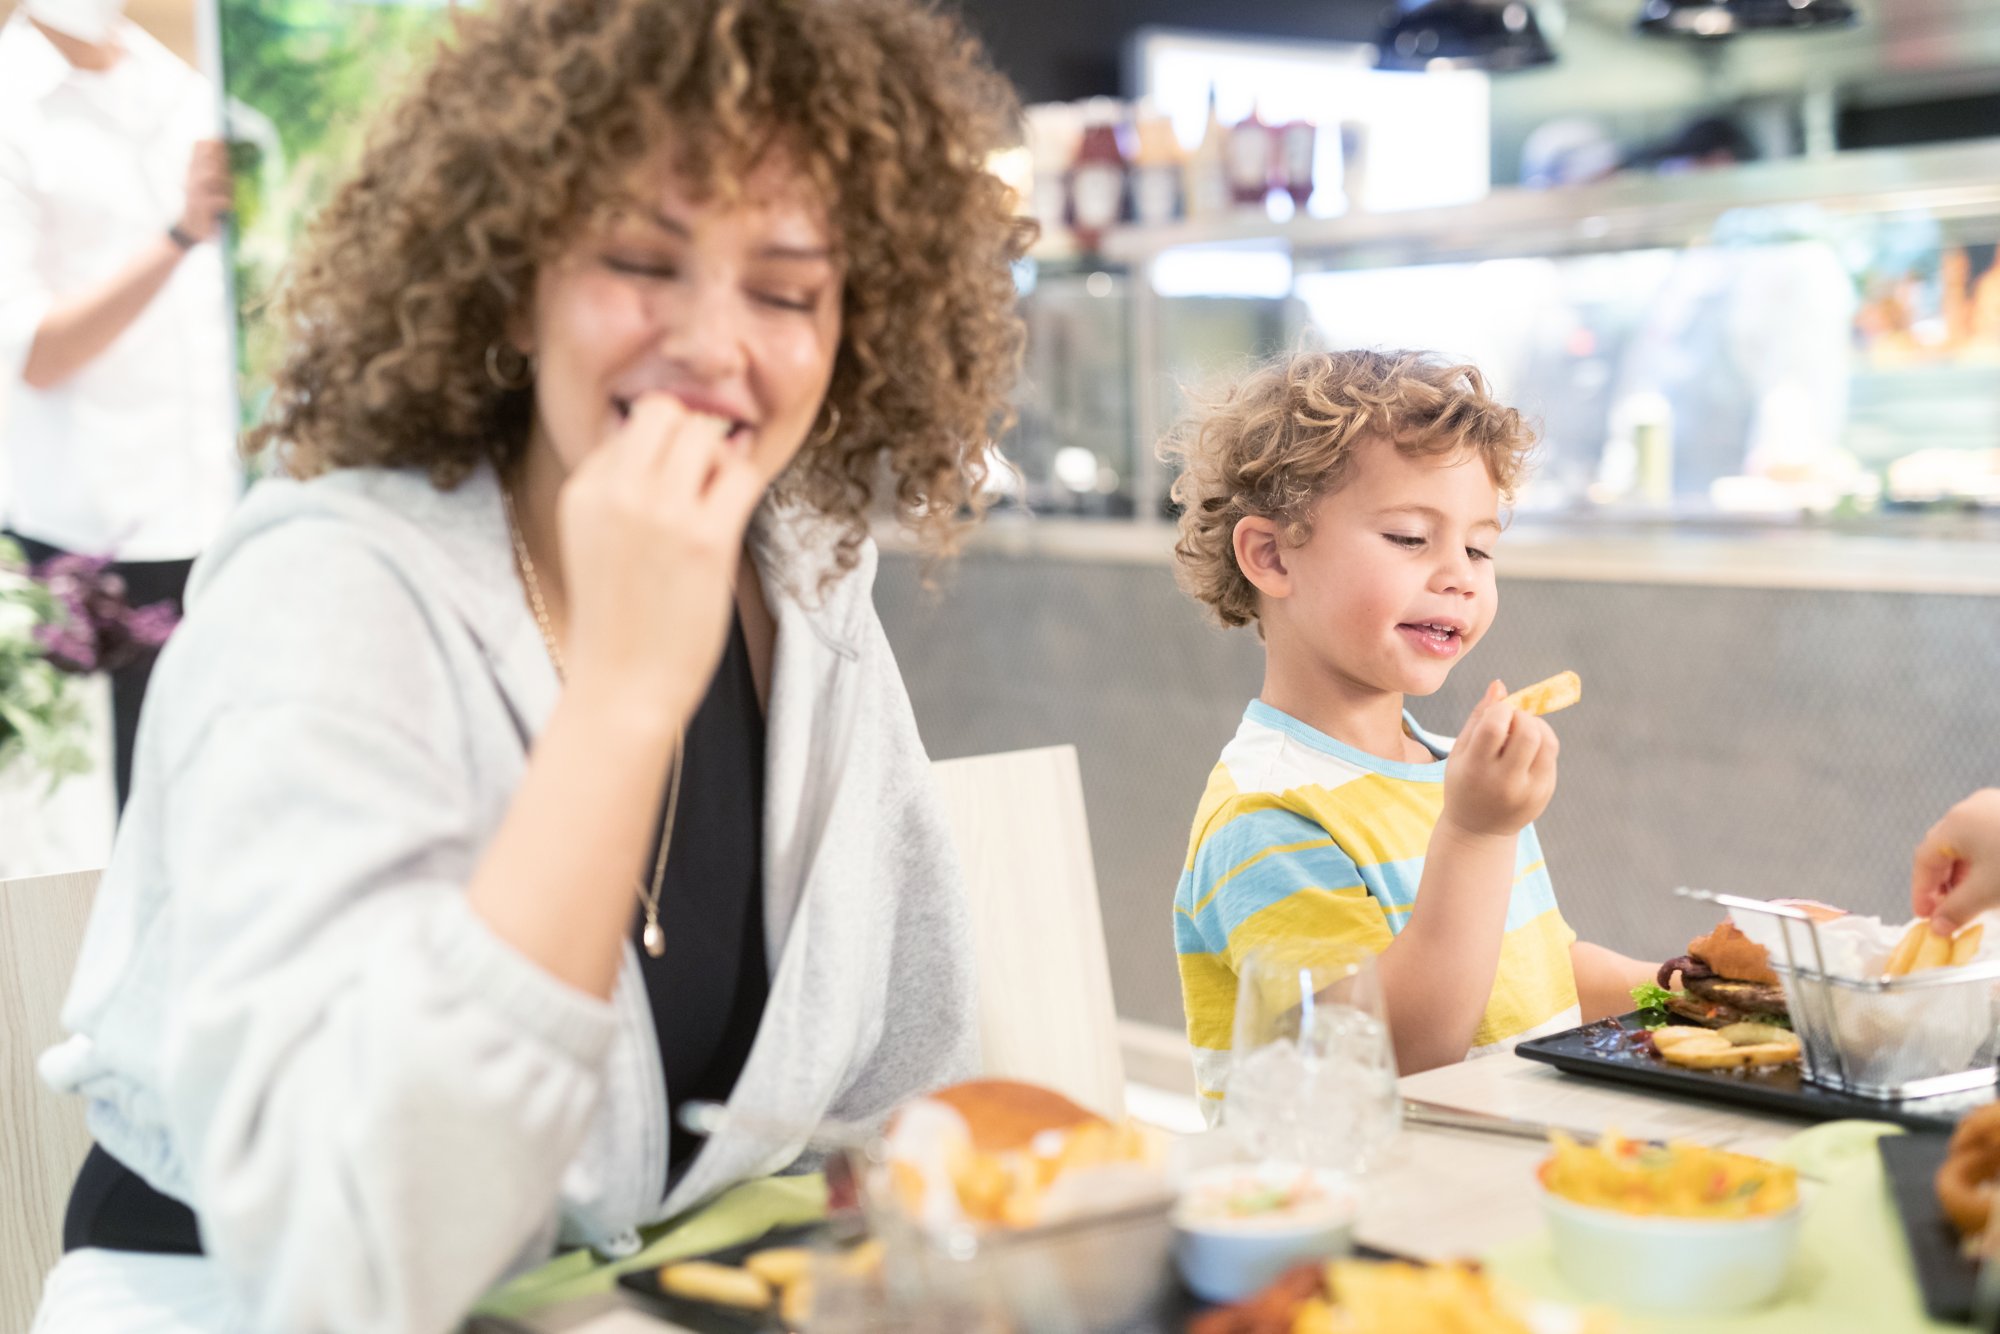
x,y
1376,818
1349,914
1208,991
1533,982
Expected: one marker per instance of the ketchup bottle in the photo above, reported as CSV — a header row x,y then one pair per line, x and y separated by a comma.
x,y
1096,182
1250,154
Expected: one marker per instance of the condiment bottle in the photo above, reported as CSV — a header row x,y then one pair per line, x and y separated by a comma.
x,y
1295,160
1206,193
1097,178
1250,155
1156,173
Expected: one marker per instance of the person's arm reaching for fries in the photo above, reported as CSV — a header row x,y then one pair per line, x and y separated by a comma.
x,y
1955,874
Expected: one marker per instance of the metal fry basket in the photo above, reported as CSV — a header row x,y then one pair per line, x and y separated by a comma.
x,y
1884,1038
1101,1273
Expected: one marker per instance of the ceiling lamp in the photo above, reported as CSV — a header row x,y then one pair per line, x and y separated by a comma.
x,y
1496,35
1727,18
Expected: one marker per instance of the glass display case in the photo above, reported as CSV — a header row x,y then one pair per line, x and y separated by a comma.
x,y
1809,339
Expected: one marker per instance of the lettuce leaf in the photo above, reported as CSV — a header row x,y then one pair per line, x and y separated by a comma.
x,y
1650,999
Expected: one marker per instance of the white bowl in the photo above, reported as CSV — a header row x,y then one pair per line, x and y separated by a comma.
x,y
1686,1266
1224,1259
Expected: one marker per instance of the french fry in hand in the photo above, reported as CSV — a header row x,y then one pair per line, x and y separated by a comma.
x,y
1966,944
1558,692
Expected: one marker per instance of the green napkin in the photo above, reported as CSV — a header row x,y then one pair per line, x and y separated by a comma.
x,y
1853,1269
743,1214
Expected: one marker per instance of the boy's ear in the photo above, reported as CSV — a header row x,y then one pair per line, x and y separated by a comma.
x,y
1261,556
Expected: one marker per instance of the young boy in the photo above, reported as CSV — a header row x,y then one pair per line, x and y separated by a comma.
x,y
1347,504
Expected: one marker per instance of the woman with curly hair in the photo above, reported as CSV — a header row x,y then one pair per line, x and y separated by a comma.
x,y
532,761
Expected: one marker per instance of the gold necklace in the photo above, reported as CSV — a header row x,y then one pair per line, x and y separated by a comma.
x,y
653,937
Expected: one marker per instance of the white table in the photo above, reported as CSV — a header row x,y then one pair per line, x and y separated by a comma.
x,y
1441,1193
1445,1193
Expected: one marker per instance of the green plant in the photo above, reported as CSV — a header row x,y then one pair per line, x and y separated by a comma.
x,y
41,717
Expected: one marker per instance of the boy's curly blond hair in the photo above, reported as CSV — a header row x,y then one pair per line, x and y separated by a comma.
x,y
1282,437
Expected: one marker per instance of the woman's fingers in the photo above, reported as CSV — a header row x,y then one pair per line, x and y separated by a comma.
x,y
1930,868
664,446
733,492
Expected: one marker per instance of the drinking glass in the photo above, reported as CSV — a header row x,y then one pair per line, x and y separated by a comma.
x,y
1312,1077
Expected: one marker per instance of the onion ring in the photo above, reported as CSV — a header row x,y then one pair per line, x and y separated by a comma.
x,y
1971,1166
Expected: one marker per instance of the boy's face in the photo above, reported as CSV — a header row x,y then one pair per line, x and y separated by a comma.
x,y
1396,583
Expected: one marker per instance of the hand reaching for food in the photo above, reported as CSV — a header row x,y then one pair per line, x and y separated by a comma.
x,y
1955,874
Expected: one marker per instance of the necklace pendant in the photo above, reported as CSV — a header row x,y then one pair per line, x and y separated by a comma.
x,y
655,939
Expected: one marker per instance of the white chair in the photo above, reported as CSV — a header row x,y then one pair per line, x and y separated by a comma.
x,y
42,1136
1045,1008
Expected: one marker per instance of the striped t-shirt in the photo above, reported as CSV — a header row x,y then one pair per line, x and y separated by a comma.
x,y
1300,835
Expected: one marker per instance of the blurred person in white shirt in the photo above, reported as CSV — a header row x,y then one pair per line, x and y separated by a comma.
x,y
119,434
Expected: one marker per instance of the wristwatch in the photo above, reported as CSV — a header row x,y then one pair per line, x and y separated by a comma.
x,y
180,237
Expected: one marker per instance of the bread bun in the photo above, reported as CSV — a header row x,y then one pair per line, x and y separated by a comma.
x,y
1732,954
1005,1114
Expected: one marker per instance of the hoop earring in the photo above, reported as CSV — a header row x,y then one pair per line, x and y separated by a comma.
x,y
524,371
825,437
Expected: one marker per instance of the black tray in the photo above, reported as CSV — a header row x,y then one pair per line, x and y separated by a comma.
x,y
1604,1050
1944,1275
706,1317
1177,1305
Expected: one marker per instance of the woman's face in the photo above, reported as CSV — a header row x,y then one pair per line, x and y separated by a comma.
x,y
733,308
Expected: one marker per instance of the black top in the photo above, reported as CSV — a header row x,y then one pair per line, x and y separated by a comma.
x,y
707,991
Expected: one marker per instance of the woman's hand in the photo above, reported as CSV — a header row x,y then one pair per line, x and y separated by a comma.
x,y
652,528
1955,874
1502,769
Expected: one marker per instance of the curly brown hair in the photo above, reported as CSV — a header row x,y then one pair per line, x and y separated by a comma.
x,y
1283,436
525,130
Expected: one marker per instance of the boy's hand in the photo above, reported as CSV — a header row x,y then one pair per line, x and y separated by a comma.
x,y
1955,874
1502,769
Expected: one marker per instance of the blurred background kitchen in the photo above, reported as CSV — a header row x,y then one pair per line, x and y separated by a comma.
x,y
1736,257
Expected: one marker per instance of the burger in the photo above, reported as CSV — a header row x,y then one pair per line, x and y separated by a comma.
x,y
998,1151
1724,978
1004,1115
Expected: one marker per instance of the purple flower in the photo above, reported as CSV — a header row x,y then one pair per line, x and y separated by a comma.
x,y
100,630
68,647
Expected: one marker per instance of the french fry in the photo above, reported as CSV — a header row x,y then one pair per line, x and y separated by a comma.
x,y
724,1285
1921,948
1933,952
1905,953
796,1306
864,1261
780,1266
1737,1046
1558,692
